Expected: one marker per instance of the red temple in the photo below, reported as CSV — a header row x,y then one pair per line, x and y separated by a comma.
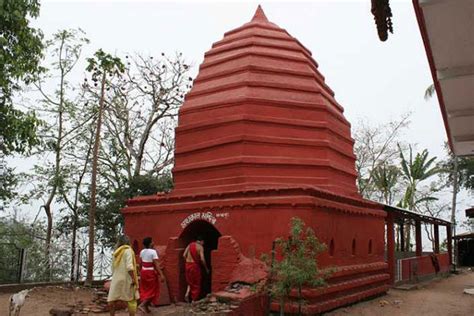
x,y
261,139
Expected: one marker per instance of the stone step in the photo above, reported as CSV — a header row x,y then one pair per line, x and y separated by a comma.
x,y
330,304
349,272
341,289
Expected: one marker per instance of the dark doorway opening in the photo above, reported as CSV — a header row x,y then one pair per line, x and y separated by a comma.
x,y
211,236
466,252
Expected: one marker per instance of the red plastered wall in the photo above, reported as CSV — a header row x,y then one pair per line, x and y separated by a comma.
x,y
423,266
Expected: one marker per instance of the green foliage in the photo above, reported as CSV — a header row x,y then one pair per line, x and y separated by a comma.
x,y
15,235
65,47
58,129
429,92
418,169
20,53
18,129
8,183
63,118
298,266
100,66
415,171
29,237
385,178
465,170
378,155
104,63
109,220
19,233
20,44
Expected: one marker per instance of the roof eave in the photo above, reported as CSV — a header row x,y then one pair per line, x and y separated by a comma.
x,y
429,54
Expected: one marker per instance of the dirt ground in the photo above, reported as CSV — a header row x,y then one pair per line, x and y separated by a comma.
x,y
41,300
439,297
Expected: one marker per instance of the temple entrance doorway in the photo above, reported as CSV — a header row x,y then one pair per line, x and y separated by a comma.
x,y
211,236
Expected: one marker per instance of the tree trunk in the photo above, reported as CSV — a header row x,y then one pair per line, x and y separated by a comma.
x,y
57,166
93,206
73,250
453,206
282,307
411,207
49,233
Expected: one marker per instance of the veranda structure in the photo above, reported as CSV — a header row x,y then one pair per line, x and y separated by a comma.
x,y
408,266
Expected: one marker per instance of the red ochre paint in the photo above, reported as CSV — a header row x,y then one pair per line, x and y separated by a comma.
x,y
261,139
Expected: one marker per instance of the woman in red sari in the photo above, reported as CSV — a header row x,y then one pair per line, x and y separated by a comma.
x,y
149,280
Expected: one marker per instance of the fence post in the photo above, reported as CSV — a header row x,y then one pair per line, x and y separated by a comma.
x,y
390,247
78,263
436,238
22,265
418,239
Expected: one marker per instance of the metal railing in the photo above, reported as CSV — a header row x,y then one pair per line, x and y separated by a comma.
x,y
32,265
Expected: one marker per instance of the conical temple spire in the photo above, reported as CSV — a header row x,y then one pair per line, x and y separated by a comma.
x,y
259,15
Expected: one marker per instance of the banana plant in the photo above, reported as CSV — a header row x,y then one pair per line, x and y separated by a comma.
x,y
414,170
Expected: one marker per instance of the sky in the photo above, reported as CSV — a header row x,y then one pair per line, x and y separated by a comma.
x,y
373,80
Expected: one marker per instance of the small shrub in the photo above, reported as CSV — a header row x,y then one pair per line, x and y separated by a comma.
x,y
298,266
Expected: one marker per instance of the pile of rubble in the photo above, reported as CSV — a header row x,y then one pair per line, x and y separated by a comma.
x,y
100,301
98,305
212,305
238,288
224,302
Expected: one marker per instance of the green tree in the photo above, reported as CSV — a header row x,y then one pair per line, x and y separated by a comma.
x,y
57,109
74,191
459,171
30,237
414,171
20,54
100,66
375,146
385,179
109,221
298,266
137,144
8,182
465,170
21,235
142,115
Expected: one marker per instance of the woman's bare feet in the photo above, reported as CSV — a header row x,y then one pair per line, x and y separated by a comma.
x,y
144,309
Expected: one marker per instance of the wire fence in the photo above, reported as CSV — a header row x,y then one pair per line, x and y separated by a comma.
x,y
31,265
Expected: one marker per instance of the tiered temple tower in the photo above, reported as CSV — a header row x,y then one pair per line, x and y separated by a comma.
x,y
260,114
261,139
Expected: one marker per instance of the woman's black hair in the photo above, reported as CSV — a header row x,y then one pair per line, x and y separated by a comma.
x,y
147,242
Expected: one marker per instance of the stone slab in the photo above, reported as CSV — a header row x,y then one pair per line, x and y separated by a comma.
x,y
469,291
